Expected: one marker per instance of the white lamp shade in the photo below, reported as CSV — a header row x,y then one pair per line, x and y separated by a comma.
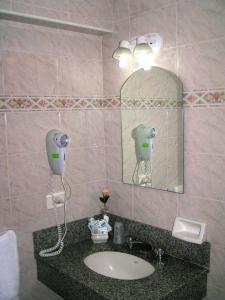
x,y
142,49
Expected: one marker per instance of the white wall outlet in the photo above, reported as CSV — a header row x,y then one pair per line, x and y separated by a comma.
x,y
58,198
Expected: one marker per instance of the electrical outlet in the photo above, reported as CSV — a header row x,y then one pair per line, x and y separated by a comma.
x,y
58,198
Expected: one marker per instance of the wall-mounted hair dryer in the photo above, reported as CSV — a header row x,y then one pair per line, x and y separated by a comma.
x,y
56,143
143,139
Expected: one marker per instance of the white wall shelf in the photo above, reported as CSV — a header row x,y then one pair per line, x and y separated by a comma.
x,y
53,23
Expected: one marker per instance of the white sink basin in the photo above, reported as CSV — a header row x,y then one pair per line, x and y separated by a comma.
x,y
119,265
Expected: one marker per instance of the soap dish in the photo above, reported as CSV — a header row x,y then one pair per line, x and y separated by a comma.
x,y
189,230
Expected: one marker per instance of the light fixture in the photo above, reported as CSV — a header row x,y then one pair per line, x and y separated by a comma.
x,y
143,49
143,53
123,53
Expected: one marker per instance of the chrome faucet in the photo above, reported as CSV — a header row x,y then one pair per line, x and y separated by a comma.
x,y
131,242
159,253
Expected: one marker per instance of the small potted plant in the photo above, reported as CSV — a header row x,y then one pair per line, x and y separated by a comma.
x,y
104,198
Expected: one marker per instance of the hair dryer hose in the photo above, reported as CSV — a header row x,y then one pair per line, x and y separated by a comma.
x,y
58,247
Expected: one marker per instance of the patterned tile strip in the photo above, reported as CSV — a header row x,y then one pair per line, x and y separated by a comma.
x,y
150,103
42,103
204,98
18,103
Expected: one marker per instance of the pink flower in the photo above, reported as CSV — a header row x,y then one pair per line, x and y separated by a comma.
x,y
105,192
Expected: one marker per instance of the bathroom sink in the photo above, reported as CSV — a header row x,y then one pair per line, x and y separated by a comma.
x,y
119,265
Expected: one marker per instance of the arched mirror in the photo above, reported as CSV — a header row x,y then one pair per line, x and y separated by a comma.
x,y
152,130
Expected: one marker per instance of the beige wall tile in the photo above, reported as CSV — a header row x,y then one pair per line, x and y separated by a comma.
x,y
143,5
20,73
1,73
56,63
77,168
96,164
155,208
113,158
27,130
206,210
4,179
204,175
95,135
84,202
121,10
162,21
51,13
23,7
75,124
53,4
112,127
28,172
204,130
167,59
5,4
15,38
47,71
6,220
3,134
204,67
200,20
121,199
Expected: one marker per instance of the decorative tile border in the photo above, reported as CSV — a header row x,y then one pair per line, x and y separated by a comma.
x,y
48,103
145,103
204,98
58,103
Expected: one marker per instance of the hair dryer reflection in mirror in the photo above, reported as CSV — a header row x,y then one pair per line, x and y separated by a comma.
x,y
143,139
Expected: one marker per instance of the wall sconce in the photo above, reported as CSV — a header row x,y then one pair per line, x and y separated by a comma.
x,y
143,49
123,53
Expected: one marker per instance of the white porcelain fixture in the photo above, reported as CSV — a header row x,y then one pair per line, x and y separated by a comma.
x,y
189,230
143,49
119,265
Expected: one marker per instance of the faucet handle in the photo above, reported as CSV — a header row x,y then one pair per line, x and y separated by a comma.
x,y
129,241
159,252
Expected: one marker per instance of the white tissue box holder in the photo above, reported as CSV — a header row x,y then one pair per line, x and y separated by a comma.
x,y
98,238
189,230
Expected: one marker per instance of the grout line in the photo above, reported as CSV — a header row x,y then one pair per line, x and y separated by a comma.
x,y
7,161
151,10
177,50
204,153
60,120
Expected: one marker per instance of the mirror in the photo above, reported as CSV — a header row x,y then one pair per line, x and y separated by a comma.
x,y
152,130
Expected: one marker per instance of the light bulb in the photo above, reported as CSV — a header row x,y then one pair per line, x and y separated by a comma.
x,y
123,61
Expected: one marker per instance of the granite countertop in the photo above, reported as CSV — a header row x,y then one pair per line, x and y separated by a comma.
x,y
175,274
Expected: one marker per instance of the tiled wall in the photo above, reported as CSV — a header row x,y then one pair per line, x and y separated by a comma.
x,y
39,61
98,13
25,177
36,61
194,48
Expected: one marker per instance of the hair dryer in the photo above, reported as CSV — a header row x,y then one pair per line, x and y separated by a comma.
x,y
56,143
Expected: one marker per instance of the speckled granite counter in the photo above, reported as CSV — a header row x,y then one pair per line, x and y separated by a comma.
x,y
68,276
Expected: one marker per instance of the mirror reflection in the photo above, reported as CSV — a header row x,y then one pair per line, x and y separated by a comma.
x,y
152,130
